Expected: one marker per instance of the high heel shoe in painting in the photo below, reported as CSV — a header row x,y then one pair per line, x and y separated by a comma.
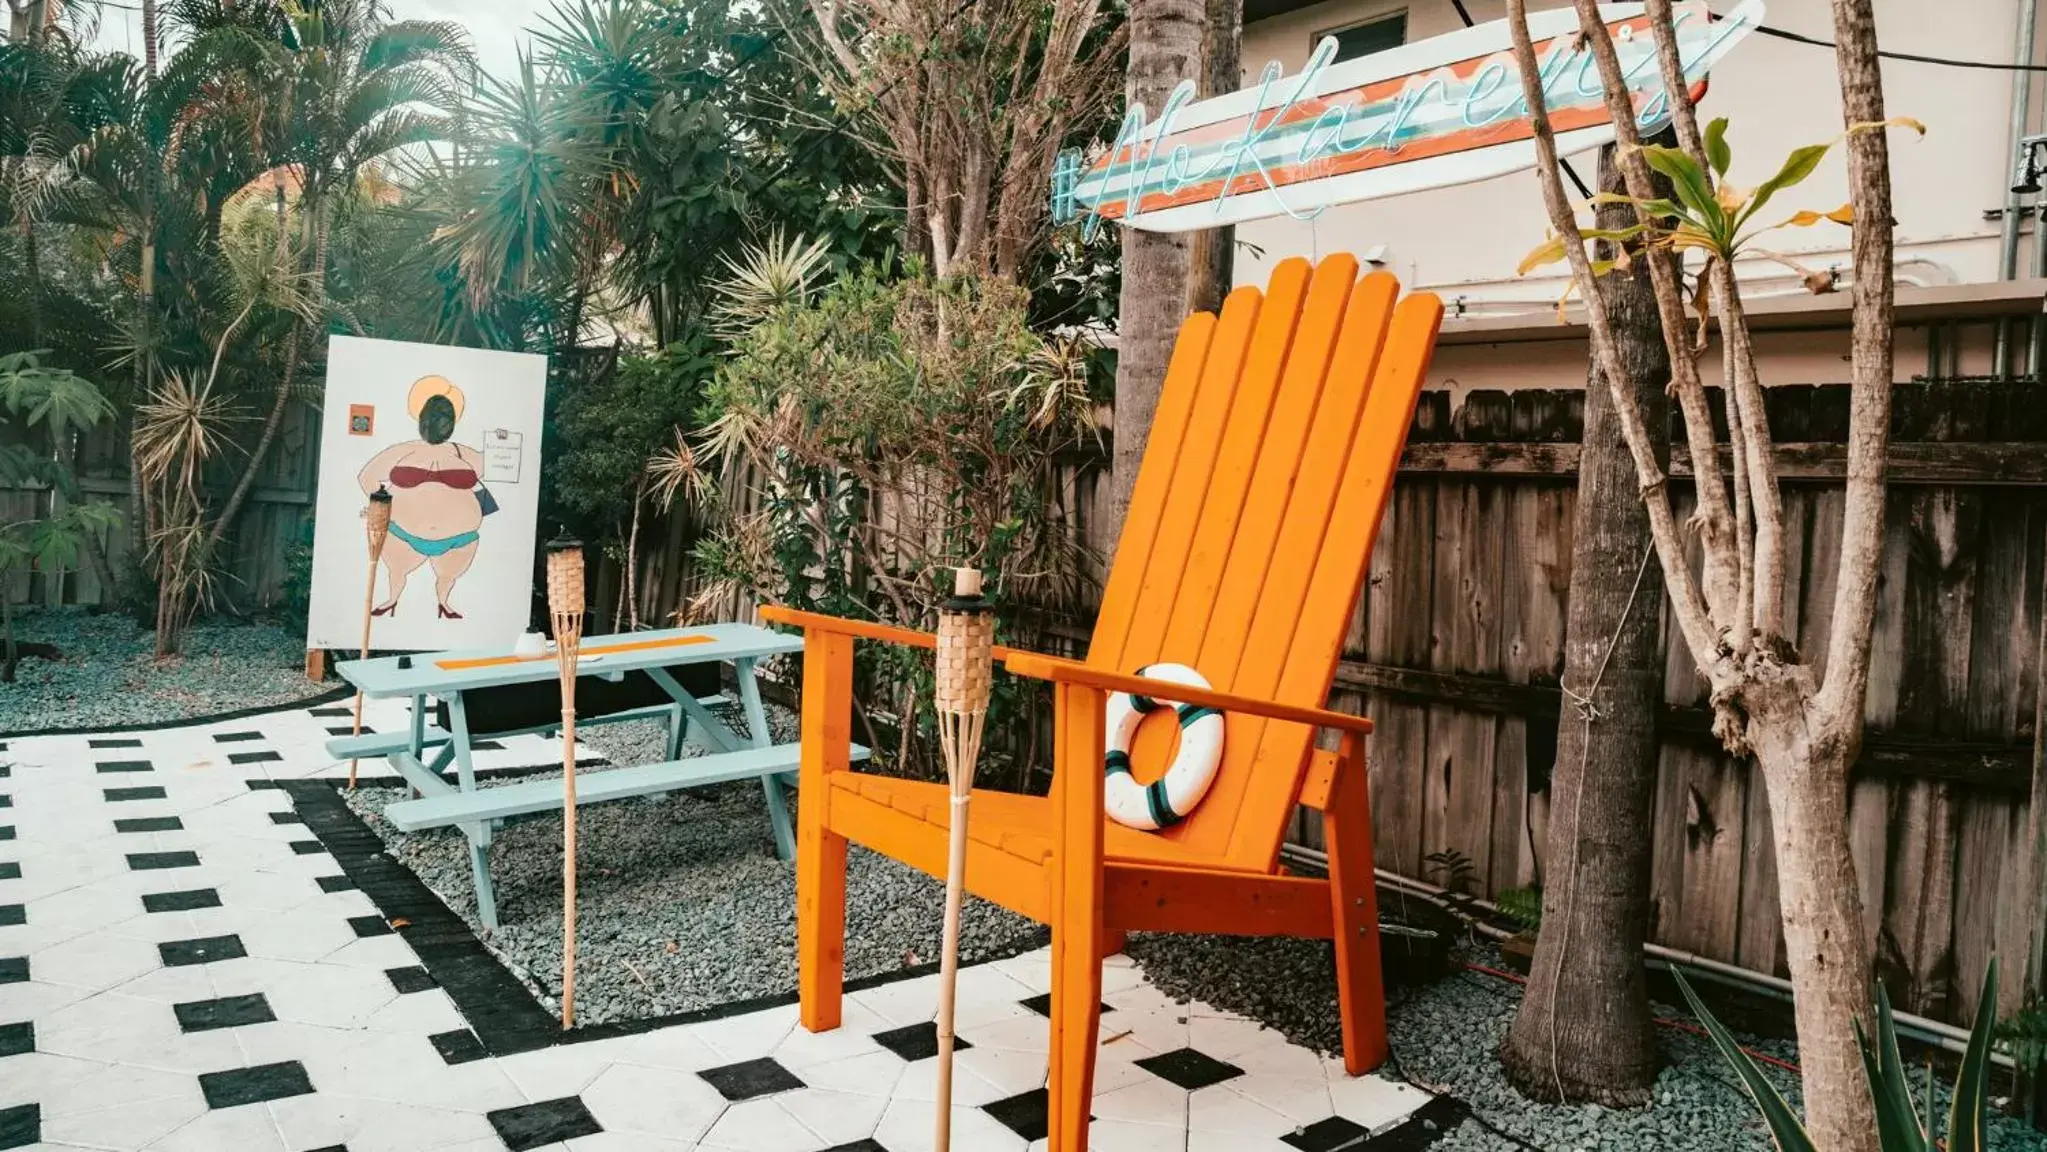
x,y
448,613
386,610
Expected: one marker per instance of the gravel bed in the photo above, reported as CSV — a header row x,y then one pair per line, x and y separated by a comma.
x,y
1445,1037
682,902
109,676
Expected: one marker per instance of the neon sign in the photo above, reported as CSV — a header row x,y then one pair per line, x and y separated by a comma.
x,y
1444,111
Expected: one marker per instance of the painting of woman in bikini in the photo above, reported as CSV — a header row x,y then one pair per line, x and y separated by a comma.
x,y
438,501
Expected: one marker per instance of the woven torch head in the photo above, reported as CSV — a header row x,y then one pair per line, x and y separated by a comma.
x,y
565,576
377,521
966,647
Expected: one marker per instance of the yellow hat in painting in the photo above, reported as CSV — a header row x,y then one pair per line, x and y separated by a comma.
x,y
428,387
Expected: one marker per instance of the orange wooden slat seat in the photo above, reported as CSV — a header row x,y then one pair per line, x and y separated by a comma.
x,y
1243,554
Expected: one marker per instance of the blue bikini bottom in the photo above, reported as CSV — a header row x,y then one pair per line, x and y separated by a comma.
x,y
431,548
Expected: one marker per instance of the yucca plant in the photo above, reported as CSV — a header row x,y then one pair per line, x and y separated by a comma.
x,y
1901,1127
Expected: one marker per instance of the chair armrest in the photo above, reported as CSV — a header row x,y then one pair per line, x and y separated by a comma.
x,y
861,629
1073,672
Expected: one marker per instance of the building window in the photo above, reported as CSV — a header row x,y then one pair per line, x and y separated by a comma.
x,y
1372,36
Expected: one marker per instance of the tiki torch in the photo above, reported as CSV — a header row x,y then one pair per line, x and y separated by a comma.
x,y
565,605
377,523
966,645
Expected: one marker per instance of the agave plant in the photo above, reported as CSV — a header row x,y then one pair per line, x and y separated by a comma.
x,y
1900,1125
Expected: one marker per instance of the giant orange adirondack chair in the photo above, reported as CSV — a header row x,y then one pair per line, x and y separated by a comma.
x,y
1269,464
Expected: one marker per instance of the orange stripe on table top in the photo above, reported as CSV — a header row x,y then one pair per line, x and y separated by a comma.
x,y
598,650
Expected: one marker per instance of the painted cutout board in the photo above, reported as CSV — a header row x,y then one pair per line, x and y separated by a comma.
x,y
1439,112
454,435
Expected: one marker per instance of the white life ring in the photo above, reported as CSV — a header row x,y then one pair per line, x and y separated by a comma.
x,y
1172,797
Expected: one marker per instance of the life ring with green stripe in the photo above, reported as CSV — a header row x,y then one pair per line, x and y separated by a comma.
x,y
1172,797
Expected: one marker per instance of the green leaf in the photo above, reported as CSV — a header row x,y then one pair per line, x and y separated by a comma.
x,y
1693,189
1717,152
1965,1122
1897,1117
1800,164
1785,1127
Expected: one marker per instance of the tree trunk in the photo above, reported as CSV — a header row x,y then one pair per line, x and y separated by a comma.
x,y
149,38
1807,779
1165,48
1214,249
1584,1030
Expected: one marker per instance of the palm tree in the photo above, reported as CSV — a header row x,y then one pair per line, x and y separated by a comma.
x,y
347,90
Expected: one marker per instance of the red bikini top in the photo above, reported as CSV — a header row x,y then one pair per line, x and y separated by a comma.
x,y
405,476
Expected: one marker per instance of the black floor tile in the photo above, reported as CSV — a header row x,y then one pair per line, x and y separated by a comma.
x,y
10,871
226,1012
286,818
21,1126
307,847
255,1085
185,901
16,1039
114,742
336,884
367,926
13,969
332,1148
485,746
1425,1129
413,979
6,770
335,711
1042,1005
1332,1135
6,801
458,1047
126,766
531,1126
1028,1114
204,950
1189,1069
749,1079
7,832
151,861
150,824
263,757
12,914
236,737
116,795
349,730
916,1042
869,1145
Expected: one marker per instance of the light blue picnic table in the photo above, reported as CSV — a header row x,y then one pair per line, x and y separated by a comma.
x,y
478,812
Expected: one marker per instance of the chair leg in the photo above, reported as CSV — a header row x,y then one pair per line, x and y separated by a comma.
x,y
1354,894
1079,935
1114,940
820,921
1076,1023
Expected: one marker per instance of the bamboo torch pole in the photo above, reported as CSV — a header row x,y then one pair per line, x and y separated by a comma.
x,y
377,523
966,643
565,605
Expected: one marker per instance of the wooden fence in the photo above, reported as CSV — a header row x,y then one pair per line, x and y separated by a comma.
x,y
264,547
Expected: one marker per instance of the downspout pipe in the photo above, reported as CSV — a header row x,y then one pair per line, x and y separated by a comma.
x,y
2008,241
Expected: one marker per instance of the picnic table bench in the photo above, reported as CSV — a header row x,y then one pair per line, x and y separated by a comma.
x,y
494,692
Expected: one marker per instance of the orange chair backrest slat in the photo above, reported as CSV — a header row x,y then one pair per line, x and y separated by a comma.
x,y
1264,479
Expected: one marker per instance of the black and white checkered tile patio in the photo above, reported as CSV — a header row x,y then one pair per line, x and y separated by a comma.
x,y
178,972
